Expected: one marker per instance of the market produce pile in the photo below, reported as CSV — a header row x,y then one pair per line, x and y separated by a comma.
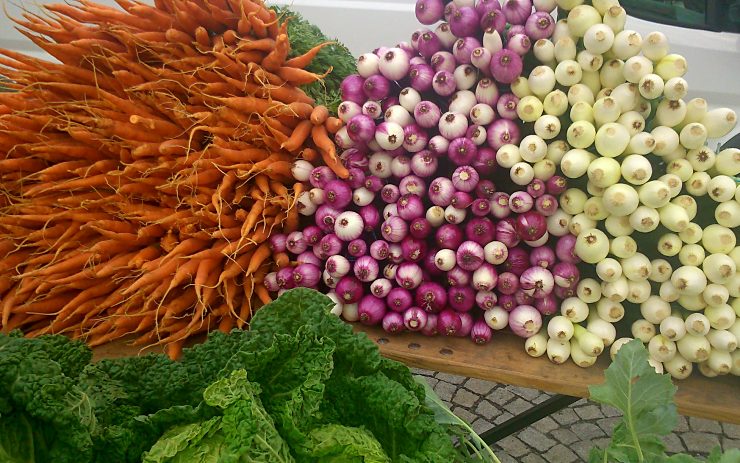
x,y
142,173
505,167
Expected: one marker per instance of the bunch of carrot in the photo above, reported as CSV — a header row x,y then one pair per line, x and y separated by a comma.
x,y
142,174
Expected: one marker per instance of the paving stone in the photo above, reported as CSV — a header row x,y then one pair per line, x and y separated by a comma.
x,y
487,410
504,457
610,411
513,446
533,458
481,425
505,416
448,378
465,398
565,416
682,424
546,425
421,371
589,412
479,386
673,444
702,425
607,424
560,454
445,390
431,381
536,439
701,442
529,394
518,406
587,431
565,436
728,444
500,395
541,398
731,430
465,414
583,447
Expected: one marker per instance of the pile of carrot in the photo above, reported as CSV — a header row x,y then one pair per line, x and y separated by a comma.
x,y
142,174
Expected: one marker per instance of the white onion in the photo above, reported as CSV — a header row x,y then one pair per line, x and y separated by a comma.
x,y
727,214
717,239
674,217
565,49
691,254
655,309
547,127
581,111
721,317
673,328
694,348
616,290
496,318
616,345
580,93
639,291
719,361
668,292
621,200
580,356
589,61
669,244
544,50
627,44
689,280
728,162
607,109
609,269
609,310
678,367
576,161
598,39
715,294
666,140
643,330
698,183
574,309
623,247
555,103
655,46
615,17
661,348
581,18
693,135
722,340
636,67
558,352
697,324
651,86
670,66
719,122
568,72
618,226
508,155
692,234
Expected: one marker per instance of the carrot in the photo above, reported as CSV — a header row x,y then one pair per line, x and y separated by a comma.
x,y
296,76
276,58
328,151
310,154
298,137
152,276
333,124
319,114
305,59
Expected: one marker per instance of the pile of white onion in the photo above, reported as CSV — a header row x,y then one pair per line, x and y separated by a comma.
x,y
658,214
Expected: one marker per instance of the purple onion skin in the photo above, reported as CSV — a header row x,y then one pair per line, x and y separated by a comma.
x,y
413,250
415,318
461,298
285,278
464,21
525,320
515,29
461,200
546,205
502,132
506,107
429,12
430,328
481,230
481,333
531,225
547,305
349,290
507,302
449,236
506,232
371,309
506,66
481,207
429,266
517,11
399,299
485,163
462,151
556,185
357,248
566,274
351,89
493,19
564,293
420,228
313,234
507,283
519,44
540,25
429,44
523,298
517,262
431,297
466,324
370,217
565,249
393,322
448,322
486,299
458,277
542,257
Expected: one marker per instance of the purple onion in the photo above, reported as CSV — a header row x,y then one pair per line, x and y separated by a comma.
x,y
313,234
486,299
463,49
321,176
306,275
427,114
461,200
430,328
506,66
415,138
357,247
538,282
308,257
517,261
431,297
483,6
486,92
443,61
485,162
361,128
449,236
465,178
371,109
443,83
449,10
542,257
466,324
353,157
481,207
348,109
399,299
410,207
389,271
521,202
517,11
566,274
429,44
506,106
546,205
525,320
379,250
531,225
414,318
328,246
539,25
507,283
515,29
371,310
381,287
519,44
564,293
271,283
493,19
395,253
481,59
407,47
390,193
374,183
429,11
408,275
462,151
448,322
370,217
413,250
438,145
338,194
458,277
464,21
522,297
284,278
502,132
420,228
485,277
429,264
506,233
356,177
507,302
441,191
565,249
388,103
349,290
376,87
415,36
480,229
556,185
351,89
411,184
481,333
461,298
547,305
536,188
393,322
500,205
278,242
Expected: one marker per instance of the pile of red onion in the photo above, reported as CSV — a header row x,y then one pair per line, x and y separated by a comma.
x,y
429,233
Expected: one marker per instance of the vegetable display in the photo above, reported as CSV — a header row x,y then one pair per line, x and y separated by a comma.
x,y
143,173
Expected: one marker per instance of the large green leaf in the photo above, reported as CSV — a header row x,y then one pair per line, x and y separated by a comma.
x,y
334,443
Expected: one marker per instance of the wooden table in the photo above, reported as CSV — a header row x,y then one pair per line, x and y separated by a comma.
x,y
505,361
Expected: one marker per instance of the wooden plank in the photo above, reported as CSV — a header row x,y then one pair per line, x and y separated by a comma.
x,y
505,361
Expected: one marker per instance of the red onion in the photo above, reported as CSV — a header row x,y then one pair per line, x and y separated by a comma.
x,y
486,299
338,194
466,324
278,242
312,234
502,132
448,322
556,185
438,145
517,262
412,249
481,230
420,228
539,25
463,48
506,233
441,191
431,297
407,47
464,21
379,250
389,271
429,44
349,109
469,255
566,274
308,257
537,282
356,177
525,320
415,318
415,36
321,176
481,59
370,217
519,44
284,278
395,253
376,87
390,193
536,188
353,157
449,9
373,183
415,138
361,128
349,290
410,207
485,277
542,256
429,11
507,302
481,207
424,163
351,89
399,299
493,20
465,178
371,310
348,225
430,328
430,264
329,280
443,83
458,277
411,184
507,283
547,305
393,322
506,106
462,151
481,333
486,92
427,114
394,64
523,298
531,226
564,293
506,66
337,266
306,275
421,76
389,102
328,246
401,166
408,275
546,205
517,11
271,283
373,110
565,249
500,205
485,164
357,248
461,298
443,61
520,202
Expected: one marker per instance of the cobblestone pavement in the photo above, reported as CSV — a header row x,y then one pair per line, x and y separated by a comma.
x,y
565,436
